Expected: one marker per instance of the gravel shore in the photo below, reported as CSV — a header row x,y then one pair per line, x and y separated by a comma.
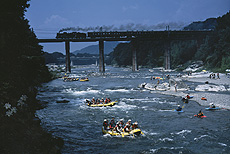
x,y
220,98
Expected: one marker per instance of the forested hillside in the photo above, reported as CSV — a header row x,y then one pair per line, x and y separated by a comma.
x,y
214,50
22,69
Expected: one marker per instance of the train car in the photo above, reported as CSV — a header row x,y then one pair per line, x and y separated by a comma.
x,y
73,35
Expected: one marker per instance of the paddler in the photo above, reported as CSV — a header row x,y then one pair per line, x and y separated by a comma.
x,y
102,101
105,124
200,114
121,123
212,105
129,122
93,100
118,128
135,125
88,102
127,128
112,124
188,97
179,108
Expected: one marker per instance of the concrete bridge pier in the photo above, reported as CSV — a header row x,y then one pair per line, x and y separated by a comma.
x,y
101,56
167,55
67,57
134,57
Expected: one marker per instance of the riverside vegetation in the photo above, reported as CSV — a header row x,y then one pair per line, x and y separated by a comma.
x,y
22,70
213,50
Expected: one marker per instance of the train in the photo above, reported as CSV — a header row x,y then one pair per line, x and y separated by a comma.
x,y
73,35
126,34
110,34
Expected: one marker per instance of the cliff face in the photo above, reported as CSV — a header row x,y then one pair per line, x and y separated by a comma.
x,y
23,68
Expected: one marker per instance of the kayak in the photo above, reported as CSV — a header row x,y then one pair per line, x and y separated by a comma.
x,y
178,111
136,132
216,108
103,105
200,116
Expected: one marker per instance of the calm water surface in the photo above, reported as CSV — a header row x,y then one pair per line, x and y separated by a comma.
x,y
165,131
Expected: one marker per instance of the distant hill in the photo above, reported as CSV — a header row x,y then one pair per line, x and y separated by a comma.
x,y
209,24
94,49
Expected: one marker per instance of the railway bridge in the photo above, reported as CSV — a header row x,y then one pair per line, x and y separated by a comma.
x,y
166,36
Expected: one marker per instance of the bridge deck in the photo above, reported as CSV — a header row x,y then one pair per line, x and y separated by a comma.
x,y
130,35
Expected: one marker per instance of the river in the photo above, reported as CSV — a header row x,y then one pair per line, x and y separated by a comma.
x,y
165,131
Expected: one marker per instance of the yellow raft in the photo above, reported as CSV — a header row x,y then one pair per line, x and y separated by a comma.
x,y
103,105
136,131
84,79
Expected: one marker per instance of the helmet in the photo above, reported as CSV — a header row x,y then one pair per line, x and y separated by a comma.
x,y
126,124
117,123
105,119
121,119
136,123
129,120
178,105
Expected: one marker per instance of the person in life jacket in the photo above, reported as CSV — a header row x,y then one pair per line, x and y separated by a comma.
x,y
109,100
127,128
106,100
93,100
112,124
200,114
121,123
188,97
212,105
105,124
117,128
102,101
135,125
129,122
179,108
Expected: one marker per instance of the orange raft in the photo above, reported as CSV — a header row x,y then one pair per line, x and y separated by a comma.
x,y
203,98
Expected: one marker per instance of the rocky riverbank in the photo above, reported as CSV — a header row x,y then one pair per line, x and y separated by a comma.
x,y
216,91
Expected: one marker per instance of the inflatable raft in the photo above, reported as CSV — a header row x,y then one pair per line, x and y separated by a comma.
x,y
102,105
135,132
84,79
203,98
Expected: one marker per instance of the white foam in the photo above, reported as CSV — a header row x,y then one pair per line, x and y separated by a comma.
x,y
165,139
123,105
183,132
202,136
222,144
86,92
118,90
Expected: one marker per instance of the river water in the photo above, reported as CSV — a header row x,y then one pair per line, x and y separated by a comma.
x,y
165,131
